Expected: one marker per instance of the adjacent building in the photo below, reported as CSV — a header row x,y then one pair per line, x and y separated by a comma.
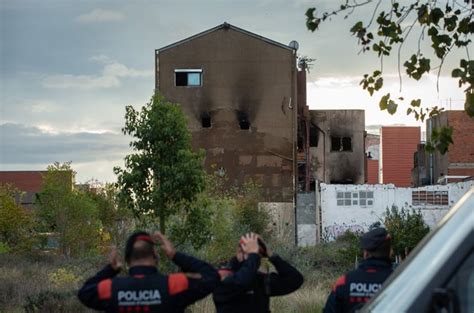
x,y
455,165
372,151
397,146
337,147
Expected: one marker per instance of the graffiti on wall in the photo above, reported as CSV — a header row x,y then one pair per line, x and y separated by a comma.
x,y
333,231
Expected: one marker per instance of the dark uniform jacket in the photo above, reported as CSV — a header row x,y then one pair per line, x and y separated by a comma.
x,y
147,290
247,290
352,290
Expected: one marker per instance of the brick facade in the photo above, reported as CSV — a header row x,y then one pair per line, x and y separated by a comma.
x,y
462,149
398,144
459,160
372,172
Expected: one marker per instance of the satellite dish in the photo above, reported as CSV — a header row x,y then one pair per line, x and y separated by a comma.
x,y
294,45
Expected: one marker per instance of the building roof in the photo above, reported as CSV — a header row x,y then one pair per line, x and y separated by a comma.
x,y
225,25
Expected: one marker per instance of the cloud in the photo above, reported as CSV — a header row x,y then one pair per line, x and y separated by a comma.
x,y
23,144
29,105
102,58
339,82
109,78
99,15
80,81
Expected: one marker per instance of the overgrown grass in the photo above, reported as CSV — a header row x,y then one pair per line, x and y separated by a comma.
x,y
42,283
49,283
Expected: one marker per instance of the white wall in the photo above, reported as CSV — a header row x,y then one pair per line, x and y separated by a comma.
x,y
282,219
336,219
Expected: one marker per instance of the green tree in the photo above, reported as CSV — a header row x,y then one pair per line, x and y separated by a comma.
x,y
115,218
163,176
248,214
16,223
449,25
233,211
407,229
193,224
69,213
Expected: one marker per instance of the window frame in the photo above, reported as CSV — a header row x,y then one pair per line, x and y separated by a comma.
x,y
341,140
355,197
188,71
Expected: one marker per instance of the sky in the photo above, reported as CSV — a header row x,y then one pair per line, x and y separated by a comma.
x,y
69,68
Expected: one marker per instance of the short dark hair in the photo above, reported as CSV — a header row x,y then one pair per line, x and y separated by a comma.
x,y
382,251
142,250
139,246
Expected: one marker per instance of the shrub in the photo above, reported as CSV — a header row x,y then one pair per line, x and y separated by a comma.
x,y
69,213
53,301
406,228
250,218
4,248
16,223
63,277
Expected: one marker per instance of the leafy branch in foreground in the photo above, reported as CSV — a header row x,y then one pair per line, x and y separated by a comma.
x,y
447,25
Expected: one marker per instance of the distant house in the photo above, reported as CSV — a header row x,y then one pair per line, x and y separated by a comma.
x,y
29,184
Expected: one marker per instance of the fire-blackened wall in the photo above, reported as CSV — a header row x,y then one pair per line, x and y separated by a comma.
x,y
333,159
243,76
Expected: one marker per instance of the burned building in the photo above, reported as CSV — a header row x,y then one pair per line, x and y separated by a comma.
x,y
337,146
238,91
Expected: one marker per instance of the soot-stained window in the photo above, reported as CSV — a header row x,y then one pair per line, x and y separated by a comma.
x,y
313,135
243,119
206,120
341,143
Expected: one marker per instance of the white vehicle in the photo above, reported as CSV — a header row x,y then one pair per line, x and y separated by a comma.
x,y
438,276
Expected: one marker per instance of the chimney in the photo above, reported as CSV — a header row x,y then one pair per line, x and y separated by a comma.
x,y
301,88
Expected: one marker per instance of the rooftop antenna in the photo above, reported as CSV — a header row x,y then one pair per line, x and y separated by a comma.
x,y
305,63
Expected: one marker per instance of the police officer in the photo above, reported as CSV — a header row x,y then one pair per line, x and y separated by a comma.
x,y
244,289
145,289
352,290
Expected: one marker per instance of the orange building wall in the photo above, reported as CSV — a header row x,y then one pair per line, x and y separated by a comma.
x,y
372,172
398,144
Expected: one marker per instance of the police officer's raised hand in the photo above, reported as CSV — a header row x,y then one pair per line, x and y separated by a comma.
x,y
166,245
249,243
265,251
114,259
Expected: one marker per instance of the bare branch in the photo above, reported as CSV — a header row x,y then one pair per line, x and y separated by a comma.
x,y
373,13
400,49
441,66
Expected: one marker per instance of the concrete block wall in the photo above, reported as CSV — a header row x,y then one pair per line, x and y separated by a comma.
x,y
337,219
306,219
282,219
